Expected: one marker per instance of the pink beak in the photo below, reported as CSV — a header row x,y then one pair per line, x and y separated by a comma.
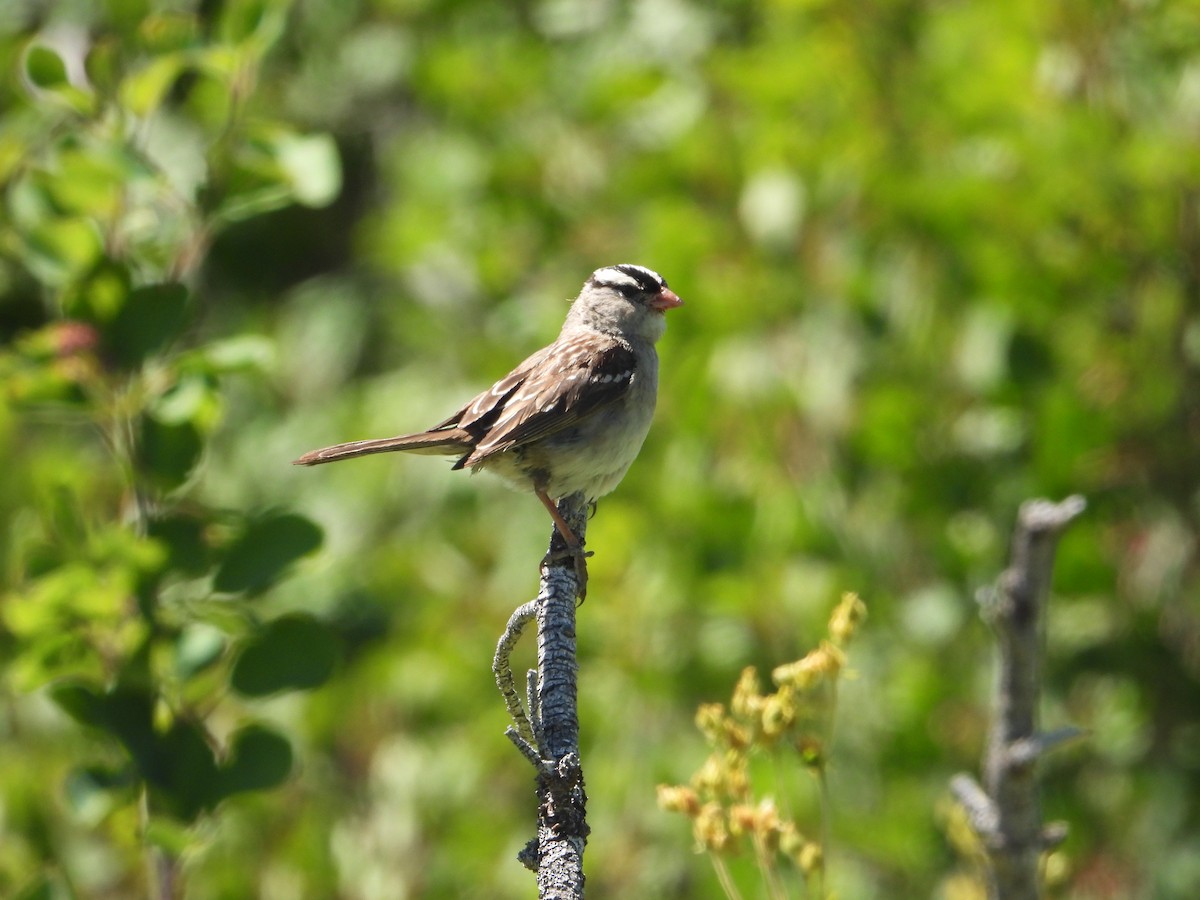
x,y
666,299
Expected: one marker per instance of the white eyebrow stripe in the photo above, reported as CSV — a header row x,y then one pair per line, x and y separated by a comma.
x,y
630,275
611,276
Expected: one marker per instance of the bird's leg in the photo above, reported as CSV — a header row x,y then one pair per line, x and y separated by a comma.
x,y
574,545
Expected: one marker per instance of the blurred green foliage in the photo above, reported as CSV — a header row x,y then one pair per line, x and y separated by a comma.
x,y
937,258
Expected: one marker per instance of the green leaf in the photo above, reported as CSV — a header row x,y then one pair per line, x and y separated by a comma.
x,y
276,167
254,22
312,167
264,550
294,652
58,250
150,318
186,775
103,64
166,31
243,353
194,780
168,451
45,68
144,90
249,198
198,647
183,535
125,711
80,702
259,758
90,178
100,296
47,72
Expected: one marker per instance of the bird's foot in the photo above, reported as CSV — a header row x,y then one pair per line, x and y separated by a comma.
x,y
577,554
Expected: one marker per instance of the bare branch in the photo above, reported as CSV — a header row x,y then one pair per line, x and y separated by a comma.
x,y
562,807
981,812
1006,811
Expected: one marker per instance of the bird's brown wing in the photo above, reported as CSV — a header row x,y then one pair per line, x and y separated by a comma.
x,y
552,391
477,417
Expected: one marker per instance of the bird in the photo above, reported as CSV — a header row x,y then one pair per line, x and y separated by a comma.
x,y
569,419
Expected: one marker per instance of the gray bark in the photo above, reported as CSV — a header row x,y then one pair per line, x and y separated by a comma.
x,y
1006,811
548,734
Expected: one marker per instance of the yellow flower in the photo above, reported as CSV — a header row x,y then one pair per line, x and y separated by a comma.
x,y
846,618
678,798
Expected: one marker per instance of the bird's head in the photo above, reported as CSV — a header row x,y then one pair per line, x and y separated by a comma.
x,y
625,299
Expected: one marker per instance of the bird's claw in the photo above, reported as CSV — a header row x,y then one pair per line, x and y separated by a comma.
x,y
579,556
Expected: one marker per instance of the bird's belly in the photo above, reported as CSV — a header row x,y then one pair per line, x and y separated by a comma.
x,y
595,464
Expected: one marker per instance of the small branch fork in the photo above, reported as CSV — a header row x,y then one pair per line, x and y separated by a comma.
x,y
546,727
1005,813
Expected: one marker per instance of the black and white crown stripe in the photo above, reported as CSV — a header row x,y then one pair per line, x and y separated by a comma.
x,y
627,277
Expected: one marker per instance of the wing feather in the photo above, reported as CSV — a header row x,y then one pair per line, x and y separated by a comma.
x,y
571,380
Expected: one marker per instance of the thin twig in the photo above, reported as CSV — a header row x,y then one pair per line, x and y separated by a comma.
x,y
723,876
535,711
502,669
826,828
528,750
767,869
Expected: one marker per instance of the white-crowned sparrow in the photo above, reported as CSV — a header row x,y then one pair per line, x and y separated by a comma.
x,y
570,418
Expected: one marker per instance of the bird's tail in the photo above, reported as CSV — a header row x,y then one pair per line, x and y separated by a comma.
x,y
435,442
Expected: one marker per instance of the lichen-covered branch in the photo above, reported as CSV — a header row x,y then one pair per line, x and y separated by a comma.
x,y
521,731
551,740
1006,811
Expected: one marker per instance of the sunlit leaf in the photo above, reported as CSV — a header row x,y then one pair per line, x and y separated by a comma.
x,y
60,249
192,398
198,647
256,22
166,31
142,91
44,67
254,202
245,352
312,166
101,294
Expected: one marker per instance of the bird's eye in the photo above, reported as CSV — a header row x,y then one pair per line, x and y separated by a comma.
x,y
627,290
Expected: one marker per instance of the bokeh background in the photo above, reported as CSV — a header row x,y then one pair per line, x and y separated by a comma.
x,y
937,258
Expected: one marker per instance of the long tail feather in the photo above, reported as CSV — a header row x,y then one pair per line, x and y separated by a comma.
x,y
423,442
